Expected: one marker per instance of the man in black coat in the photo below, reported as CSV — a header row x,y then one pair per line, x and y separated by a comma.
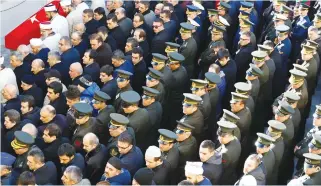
x,y
169,151
189,48
57,99
44,172
243,55
124,22
10,93
212,161
55,64
20,68
116,32
109,83
138,117
30,88
96,157
69,55
141,37
91,67
100,103
29,110
81,45
103,50
139,23
139,77
90,23
38,70
161,36
155,111
103,32
193,116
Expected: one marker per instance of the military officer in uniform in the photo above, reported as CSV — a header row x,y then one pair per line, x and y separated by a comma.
x,y
193,116
214,99
123,83
283,45
245,89
117,125
159,63
85,124
297,85
171,47
259,61
153,80
187,146
263,147
22,144
199,88
230,149
103,118
169,151
292,99
188,48
138,117
155,112
311,170
275,130
181,78
233,118
212,17
238,107
252,76
311,64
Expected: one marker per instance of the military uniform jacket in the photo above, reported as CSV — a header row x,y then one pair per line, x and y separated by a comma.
x,y
205,107
180,86
81,131
271,66
288,133
284,48
117,101
250,104
308,137
268,160
296,119
278,150
216,103
264,86
230,157
168,78
188,49
314,179
172,157
311,75
96,161
139,121
255,88
102,121
155,112
196,120
245,121
279,78
162,173
161,97
300,29
20,165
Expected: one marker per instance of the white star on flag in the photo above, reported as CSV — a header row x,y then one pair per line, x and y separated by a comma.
x,y
33,19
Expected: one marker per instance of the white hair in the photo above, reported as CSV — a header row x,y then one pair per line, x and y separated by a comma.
x,y
24,49
49,109
77,66
91,138
30,129
248,180
11,90
74,173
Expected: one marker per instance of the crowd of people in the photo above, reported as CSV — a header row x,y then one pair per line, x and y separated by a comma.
x,y
165,93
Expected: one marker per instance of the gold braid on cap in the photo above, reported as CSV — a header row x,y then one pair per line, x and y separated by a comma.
x,y
16,144
161,137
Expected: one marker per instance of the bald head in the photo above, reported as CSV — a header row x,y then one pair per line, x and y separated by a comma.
x,y
37,66
214,68
90,142
30,129
75,70
79,27
9,91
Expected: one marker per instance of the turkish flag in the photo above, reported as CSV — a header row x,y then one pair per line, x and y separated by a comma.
x,y
29,28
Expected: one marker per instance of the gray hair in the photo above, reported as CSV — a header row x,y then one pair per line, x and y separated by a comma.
x,y
23,49
121,10
39,63
82,27
118,54
74,173
66,39
18,55
12,90
30,129
37,154
91,138
54,54
77,33
49,109
77,66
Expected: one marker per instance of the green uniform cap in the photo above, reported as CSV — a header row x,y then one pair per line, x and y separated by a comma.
x,y
82,109
124,74
230,116
184,126
186,28
171,47
118,119
284,109
175,57
198,83
254,70
300,67
286,9
167,135
212,78
212,12
242,88
312,159
297,76
259,56
101,96
316,141
192,99
226,127
236,97
130,97
264,139
159,58
150,91
291,97
155,73
276,126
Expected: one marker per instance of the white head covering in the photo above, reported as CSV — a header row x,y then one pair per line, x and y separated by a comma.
x,y
36,42
65,3
248,180
195,168
223,20
45,25
153,151
50,8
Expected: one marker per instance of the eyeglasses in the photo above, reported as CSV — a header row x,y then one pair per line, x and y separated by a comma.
x,y
195,89
155,63
187,105
146,97
163,142
119,79
155,26
95,101
308,166
221,134
179,131
113,127
122,147
259,145
149,78
79,117
172,63
249,73
243,39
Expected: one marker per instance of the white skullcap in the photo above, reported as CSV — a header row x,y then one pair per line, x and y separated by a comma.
x,y
195,168
153,151
36,42
1,60
45,25
50,8
248,180
194,23
65,2
223,20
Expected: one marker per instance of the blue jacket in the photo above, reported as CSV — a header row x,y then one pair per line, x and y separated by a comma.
x,y
222,88
88,94
133,160
10,179
284,48
127,65
64,72
43,55
93,70
123,178
234,10
70,56
110,88
82,47
205,181
300,29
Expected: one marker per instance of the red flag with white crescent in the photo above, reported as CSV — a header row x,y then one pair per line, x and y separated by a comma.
x,y
29,28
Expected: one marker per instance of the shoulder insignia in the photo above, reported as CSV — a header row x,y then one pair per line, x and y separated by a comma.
x,y
113,152
117,96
